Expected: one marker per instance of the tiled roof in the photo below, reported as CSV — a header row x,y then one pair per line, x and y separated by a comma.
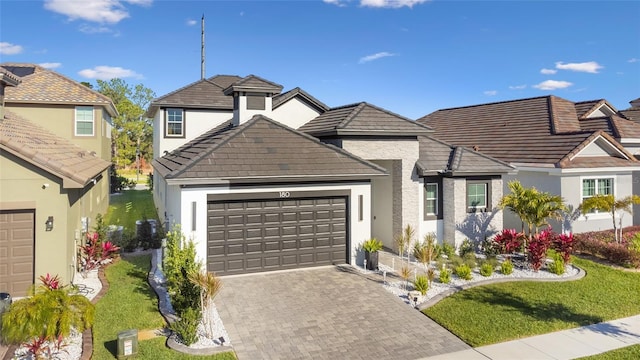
x,y
260,150
584,108
297,92
362,119
632,114
438,157
40,85
203,94
517,131
53,154
255,83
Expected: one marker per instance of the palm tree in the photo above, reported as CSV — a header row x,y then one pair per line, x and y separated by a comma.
x,y
517,199
609,204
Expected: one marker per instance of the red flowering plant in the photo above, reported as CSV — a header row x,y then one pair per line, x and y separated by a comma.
x,y
50,282
95,252
509,241
538,247
563,244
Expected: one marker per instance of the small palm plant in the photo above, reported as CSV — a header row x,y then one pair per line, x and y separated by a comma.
x,y
405,272
209,286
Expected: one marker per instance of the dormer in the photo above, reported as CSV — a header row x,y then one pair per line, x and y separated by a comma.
x,y
252,96
6,79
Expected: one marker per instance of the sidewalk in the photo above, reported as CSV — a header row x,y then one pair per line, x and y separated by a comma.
x,y
561,345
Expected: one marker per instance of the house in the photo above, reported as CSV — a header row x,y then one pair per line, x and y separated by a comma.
x,y
575,150
54,174
263,180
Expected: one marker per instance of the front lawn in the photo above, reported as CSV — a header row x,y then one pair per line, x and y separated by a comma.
x,y
129,206
626,353
130,303
500,312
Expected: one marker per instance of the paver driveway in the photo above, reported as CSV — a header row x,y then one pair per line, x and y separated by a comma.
x,y
325,313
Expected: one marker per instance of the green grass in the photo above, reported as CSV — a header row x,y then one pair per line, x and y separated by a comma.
x,y
500,312
129,206
625,353
130,303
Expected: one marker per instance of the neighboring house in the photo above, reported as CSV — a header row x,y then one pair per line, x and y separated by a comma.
x,y
575,150
48,185
263,180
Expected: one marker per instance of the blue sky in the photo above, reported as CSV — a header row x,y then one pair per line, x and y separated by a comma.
x,y
409,56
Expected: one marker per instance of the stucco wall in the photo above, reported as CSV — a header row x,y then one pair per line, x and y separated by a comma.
x,y
406,185
359,230
294,113
382,205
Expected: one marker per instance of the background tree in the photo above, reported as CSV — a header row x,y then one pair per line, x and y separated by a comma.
x,y
132,131
611,205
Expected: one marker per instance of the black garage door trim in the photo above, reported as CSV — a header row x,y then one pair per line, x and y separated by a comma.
x,y
262,232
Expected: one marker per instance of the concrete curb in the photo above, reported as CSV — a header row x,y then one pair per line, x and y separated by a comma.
x,y
175,345
434,300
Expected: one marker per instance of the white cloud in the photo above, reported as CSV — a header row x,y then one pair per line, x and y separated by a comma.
x,y
50,65
191,22
9,48
553,85
391,3
335,2
375,56
548,71
491,92
588,67
517,87
99,11
632,60
108,73
88,29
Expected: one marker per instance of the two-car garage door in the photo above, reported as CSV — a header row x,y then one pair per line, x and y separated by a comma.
x,y
16,251
257,235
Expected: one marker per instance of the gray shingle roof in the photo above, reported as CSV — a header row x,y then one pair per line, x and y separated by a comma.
x,y
260,150
438,157
632,114
297,92
202,94
253,83
534,131
49,152
363,119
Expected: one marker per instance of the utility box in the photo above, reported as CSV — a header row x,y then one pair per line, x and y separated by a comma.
x,y
127,343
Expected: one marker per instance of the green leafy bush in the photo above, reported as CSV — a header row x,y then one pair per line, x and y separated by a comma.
x,y
187,326
448,249
470,259
557,266
466,247
421,284
179,262
486,269
463,271
506,267
456,261
372,245
445,276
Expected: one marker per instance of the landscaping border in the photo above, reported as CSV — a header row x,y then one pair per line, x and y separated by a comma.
x,y
434,300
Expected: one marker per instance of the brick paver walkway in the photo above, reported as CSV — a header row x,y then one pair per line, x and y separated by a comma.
x,y
325,313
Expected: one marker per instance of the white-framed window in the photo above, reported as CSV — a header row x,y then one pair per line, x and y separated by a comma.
x,y
596,186
84,121
431,199
478,196
174,123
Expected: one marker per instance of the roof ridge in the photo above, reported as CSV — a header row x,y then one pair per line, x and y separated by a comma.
x,y
351,115
180,89
290,94
498,102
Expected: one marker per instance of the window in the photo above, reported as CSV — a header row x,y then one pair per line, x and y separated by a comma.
x,y
84,121
174,123
478,196
431,199
592,187
255,102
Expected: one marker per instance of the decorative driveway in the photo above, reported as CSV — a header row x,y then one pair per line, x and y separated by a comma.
x,y
325,313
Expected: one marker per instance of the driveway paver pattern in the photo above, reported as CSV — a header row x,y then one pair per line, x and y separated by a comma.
x,y
325,313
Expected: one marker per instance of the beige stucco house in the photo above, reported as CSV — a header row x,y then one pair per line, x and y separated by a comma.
x,y
54,162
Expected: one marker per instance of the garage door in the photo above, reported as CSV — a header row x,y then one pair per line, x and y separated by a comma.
x,y
16,251
264,235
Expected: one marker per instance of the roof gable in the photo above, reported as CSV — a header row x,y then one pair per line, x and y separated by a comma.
x,y
257,150
252,83
40,85
363,119
204,93
297,92
58,156
598,150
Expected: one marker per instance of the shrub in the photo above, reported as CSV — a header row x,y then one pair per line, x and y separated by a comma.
x,y
538,249
466,247
94,252
448,250
421,284
486,269
372,245
179,262
601,245
187,326
445,276
634,243
509,241
431,275
150,181
563,244
470,259
506,267
405,272
557,266
463,271
456,261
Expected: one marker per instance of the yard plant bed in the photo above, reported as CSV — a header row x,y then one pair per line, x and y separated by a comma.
x,y
130,303
507,311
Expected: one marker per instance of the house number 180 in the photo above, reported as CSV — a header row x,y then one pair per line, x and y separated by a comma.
x,y
285,194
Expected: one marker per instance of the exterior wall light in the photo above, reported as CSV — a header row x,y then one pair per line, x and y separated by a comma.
x,y
49,223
